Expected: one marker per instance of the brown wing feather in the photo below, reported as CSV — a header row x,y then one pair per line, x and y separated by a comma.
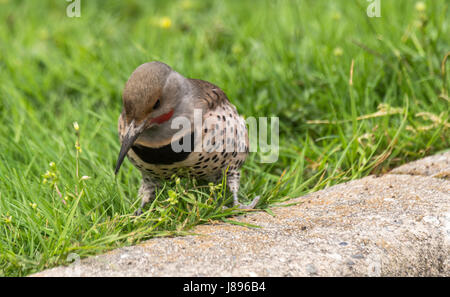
x,y
209,92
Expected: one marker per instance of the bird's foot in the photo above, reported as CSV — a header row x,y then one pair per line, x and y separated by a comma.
x,y
249,206
138,212
239,205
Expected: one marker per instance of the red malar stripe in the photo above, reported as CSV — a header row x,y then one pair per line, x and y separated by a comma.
x,y
162,118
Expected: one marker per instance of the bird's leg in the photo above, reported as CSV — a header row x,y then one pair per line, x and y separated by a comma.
x,y
242,206
233,179
146,192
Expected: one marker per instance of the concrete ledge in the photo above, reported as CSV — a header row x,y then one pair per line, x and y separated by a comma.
x,y
434,166
393,225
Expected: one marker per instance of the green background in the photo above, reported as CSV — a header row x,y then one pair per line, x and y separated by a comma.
x,y
289,59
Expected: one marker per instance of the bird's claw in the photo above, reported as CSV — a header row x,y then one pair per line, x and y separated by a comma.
x,y
243,206
138,212
251,205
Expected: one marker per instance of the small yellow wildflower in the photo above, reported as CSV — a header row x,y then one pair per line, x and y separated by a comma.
x,y
51,174
172,197
78,147
75,126
165,23
338,52
420,6
48,174
33,205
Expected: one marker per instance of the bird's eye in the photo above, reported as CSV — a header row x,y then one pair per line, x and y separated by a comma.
x,y
157,104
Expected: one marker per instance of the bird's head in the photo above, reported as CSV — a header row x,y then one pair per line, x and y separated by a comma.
x,y
150,98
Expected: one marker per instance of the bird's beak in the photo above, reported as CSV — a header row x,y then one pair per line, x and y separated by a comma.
x,y
127,142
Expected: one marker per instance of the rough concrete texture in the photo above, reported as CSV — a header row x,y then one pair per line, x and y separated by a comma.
x,y
394,225
434,166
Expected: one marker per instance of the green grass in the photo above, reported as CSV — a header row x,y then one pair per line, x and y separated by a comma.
x,y
289,59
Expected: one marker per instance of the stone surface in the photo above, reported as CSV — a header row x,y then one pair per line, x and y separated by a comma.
x,y
435,166
393,225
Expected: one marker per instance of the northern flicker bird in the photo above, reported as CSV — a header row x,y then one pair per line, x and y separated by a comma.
x,y
163,112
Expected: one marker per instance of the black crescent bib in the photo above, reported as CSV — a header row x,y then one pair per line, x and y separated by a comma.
x,y
162,155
